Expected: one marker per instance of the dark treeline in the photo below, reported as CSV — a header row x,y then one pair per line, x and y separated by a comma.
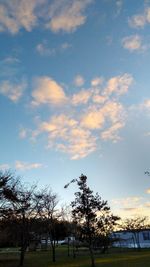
x,y
29,215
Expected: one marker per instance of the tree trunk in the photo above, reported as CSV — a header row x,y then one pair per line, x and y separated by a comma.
x,y
22,256
92,256
53,252
68,247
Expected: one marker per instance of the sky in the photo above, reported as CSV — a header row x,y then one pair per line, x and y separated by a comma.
x,y
75,97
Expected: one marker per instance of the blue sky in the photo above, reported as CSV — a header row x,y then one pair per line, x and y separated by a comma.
x,y
75,96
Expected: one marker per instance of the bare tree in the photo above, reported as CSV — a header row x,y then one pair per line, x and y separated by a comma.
x,y
24,210
47,211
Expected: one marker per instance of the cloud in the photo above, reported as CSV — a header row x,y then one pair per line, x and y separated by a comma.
x,y
48,91
146,105
140,20
129,207
97,81
17,14
95,114
133,43
44,49
81,98
148,191
111,113
118,85
24,166
66,15
13,91
23,133
11,60
80,143
119,4
112,132
78,80
94,119
66,135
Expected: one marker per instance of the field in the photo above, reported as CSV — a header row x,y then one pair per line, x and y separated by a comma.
x,y
43,259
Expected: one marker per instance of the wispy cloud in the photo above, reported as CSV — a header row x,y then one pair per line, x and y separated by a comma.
x,y
133,43
23,133
130,206
17,14
119,85
47,91
112,132
44,49
79,81
13,91
140,20
64,15
119,4
97,81
67,15
81,97
23,166
66,135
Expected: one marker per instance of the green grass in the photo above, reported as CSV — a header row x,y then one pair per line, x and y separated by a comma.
x,y
43,259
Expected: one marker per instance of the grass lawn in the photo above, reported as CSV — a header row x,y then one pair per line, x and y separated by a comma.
x,y
43,259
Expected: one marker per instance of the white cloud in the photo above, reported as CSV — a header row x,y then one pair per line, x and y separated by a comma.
x,y
23,133
94,119
17,14
112,132
48,91
118,84
66,135
23,166
12,90
66,15
80,143
133,43
78,80
81,98
95,115
44,50
56,15
140,20
97,81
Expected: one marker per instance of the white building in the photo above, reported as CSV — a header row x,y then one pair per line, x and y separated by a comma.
x,y
129,239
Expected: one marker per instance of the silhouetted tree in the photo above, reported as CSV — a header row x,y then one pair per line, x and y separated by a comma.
x,y
86,210
105,226
47,211
8,194
24,210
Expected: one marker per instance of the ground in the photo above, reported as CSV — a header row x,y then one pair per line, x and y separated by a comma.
x,y
43,259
